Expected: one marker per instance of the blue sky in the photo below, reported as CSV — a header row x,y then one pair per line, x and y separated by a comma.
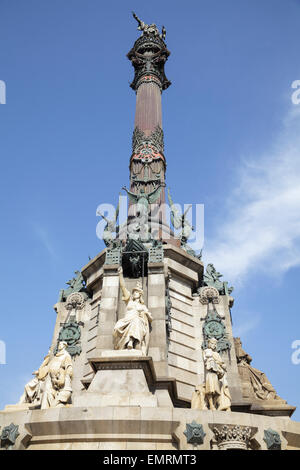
x,y
232,143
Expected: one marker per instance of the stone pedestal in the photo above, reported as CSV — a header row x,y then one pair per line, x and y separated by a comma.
x,y
122,378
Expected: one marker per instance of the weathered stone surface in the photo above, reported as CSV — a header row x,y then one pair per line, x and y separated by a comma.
x,y
92,426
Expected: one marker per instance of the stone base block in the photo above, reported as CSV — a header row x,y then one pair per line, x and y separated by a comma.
x,y
121,382
146,399
123,370
138,427
123,378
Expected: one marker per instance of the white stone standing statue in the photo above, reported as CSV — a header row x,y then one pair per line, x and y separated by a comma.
x,y
58,389
133,331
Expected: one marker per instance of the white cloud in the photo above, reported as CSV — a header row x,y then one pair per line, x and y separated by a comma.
x,y
262,225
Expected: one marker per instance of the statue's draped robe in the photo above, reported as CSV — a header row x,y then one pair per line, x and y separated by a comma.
x,y
214,367
134,326
224,400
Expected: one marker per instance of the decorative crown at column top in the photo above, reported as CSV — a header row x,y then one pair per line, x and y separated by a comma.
x,y
148,56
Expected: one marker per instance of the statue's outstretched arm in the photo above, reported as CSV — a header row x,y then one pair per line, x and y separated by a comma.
x,y
125,292
140,22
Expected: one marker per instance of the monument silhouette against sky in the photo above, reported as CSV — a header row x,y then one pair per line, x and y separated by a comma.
x,y
143,355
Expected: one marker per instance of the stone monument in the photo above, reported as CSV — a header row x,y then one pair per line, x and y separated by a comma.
x,y
143,355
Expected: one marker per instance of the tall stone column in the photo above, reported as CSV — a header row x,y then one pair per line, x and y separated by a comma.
x,y
147,163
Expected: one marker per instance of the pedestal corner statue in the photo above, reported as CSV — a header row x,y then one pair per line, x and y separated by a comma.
x,y
133,331
143,354
216,387
58,387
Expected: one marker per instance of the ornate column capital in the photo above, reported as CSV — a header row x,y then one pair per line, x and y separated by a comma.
x,y
148,57
229,436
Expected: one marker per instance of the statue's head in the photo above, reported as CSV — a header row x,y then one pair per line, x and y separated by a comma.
x,y
137,292
62,345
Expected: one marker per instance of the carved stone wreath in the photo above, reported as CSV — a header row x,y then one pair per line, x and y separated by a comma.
x,y
75,301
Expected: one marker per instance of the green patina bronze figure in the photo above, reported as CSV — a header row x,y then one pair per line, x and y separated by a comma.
x,y
76,284
149,29
110,228
212,278
179,221
142,199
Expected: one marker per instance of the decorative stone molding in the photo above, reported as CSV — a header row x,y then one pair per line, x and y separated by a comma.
x,y
113,256
156,252
209,294
194,433
230,437
272,439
